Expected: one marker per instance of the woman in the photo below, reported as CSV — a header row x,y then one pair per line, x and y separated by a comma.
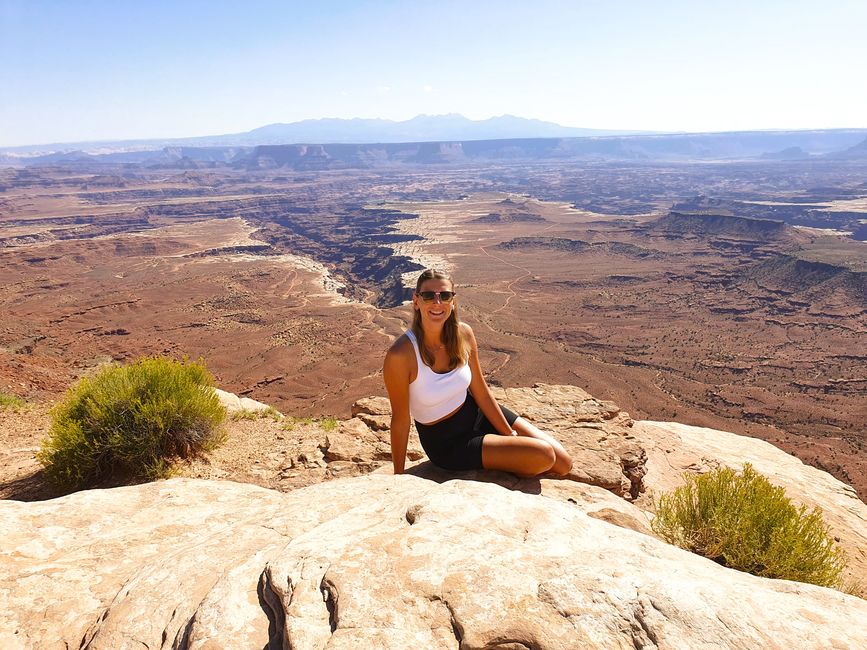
x,y
432,372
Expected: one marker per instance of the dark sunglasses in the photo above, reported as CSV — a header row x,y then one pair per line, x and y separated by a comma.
x,y
428,296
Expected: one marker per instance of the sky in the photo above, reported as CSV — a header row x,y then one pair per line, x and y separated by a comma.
x,y
85,70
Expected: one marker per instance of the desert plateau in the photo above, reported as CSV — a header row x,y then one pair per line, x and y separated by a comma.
x,y
724,293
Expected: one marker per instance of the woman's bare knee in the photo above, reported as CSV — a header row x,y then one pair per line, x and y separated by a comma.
x,y
550,458
523,457
562,466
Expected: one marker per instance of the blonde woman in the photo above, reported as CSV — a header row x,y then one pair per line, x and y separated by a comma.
x,y
432,374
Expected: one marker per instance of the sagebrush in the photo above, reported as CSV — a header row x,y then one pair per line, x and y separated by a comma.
x,y
742,521
132,420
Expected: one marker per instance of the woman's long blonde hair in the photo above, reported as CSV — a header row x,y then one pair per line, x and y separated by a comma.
x,y
456,346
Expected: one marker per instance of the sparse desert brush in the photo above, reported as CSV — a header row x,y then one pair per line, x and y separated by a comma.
x,y
251,414
7,400
290,422
245,414
132,420
272,413
328,423
744,522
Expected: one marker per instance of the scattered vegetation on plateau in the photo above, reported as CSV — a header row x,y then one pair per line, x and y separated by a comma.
x,y
251,414
744,522
328,423
7,400
132,421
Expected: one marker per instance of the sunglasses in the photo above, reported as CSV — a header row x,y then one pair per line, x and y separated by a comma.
x,y
428,296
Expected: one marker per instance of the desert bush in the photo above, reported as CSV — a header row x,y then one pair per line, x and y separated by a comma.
x,y
132,420
245,414
250,414
744,522
7,400
274,414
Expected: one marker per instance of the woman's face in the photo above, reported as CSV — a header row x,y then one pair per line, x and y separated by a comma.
x,y
435,312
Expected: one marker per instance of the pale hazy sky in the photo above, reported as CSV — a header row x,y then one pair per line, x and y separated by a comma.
x,y
97,70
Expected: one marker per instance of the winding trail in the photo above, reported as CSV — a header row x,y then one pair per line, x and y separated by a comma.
x,y
511,284
485,318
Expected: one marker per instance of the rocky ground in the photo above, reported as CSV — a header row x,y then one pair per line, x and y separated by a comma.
x,y
381,561
633,462
431,559
285,452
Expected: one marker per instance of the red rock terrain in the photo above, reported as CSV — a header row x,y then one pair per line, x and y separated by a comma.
x,y
289,286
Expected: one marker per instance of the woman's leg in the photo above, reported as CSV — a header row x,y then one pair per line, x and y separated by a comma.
x,y
524,456
563,461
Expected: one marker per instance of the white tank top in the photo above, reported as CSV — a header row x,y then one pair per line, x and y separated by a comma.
x,y
432,395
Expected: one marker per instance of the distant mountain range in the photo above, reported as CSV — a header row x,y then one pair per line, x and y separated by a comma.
x,y
442,139
422,128
776,146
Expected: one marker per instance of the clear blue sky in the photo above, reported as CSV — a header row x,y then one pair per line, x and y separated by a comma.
x,y
96,70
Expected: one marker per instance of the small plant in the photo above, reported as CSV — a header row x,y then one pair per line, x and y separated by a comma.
x,y
7,400
328,423
744,522
272,413
253,414
245,414
132,420
290,422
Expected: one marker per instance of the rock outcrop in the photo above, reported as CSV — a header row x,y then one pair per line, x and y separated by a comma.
x,y
675,449
431,559
378,562
235,404
596,433
633,461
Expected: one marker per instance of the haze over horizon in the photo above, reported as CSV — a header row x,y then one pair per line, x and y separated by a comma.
x,y
105,71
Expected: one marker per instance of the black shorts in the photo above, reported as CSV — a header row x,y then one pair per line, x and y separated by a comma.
x,y
456,442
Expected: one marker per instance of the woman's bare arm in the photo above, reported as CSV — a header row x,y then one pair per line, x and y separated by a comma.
x,y
396,373
479,387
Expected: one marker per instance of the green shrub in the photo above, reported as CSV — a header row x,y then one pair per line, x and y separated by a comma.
x,y
250,414
245,414
132,420
10,401
274,414
744,522
328,423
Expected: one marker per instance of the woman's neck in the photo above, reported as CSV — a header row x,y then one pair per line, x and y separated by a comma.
x,y
433,337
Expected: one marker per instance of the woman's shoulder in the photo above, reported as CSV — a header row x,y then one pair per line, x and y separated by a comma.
x,y
400,359
401,347
467,332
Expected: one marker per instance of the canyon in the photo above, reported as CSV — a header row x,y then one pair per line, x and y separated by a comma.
x,y
725,294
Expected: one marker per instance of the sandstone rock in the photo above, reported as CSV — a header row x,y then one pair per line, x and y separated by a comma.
x,y
377,562
595,501
375,412
673,449
233,403
355,441
595,433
